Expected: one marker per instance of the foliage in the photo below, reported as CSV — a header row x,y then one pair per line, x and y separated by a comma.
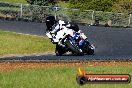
x,y
103,5
14,1
42,2
98,5
123,6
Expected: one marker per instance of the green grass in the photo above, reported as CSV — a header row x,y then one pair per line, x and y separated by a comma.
x,y
12,43
15,1
58,77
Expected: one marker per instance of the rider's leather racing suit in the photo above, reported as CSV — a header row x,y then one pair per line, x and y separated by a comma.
x,y
57,27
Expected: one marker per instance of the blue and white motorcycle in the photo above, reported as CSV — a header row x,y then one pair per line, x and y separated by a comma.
x,y
68,40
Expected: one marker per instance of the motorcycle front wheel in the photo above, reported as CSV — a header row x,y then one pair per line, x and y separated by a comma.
x,y
73,48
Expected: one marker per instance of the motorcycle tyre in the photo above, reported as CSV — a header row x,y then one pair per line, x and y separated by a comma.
x,y
59,50
87,49
73,48
90,52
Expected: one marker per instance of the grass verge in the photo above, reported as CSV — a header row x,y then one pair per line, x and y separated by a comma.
x,y
58,77
13,43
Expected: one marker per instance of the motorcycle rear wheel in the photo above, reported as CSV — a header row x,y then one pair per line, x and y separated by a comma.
x,y
90,52
87,48
59,50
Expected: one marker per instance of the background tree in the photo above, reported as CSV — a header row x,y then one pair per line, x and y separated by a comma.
x,y
100,5
123,6
42,2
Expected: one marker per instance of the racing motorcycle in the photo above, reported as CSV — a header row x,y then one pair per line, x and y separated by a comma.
x,y
68,40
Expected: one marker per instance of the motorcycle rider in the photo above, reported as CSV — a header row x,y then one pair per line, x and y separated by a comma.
x,y
54,26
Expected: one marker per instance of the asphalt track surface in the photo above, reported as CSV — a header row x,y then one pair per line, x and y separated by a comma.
x,y
110,43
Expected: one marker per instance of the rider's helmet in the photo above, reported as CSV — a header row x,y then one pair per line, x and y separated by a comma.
x,y
74,26
50,21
